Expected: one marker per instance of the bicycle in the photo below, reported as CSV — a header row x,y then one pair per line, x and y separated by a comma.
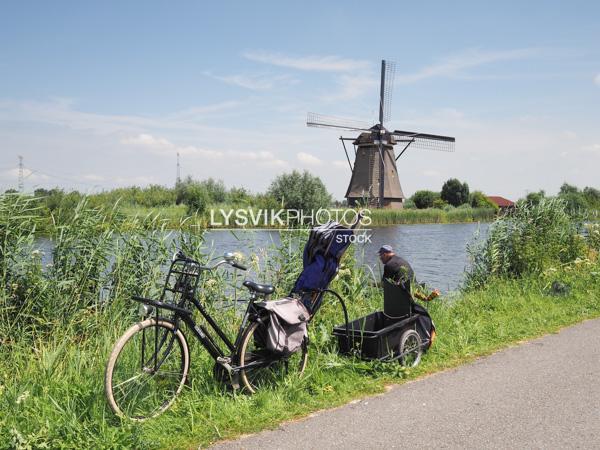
x,y
148,366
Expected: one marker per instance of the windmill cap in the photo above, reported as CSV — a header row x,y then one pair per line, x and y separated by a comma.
x,y
385,249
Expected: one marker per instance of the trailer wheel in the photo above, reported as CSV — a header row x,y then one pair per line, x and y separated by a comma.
x,y
410,349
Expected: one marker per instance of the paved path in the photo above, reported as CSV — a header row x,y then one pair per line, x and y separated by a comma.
x,y
542,394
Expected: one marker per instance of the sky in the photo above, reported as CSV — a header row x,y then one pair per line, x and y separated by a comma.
x,y
96,95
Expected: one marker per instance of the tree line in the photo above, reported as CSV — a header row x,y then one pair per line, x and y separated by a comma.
x,y
294,190
454,194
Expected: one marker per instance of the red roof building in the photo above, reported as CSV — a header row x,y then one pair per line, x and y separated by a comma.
x,y
503,203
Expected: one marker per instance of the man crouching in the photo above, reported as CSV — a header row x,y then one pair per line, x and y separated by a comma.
x,y
398,271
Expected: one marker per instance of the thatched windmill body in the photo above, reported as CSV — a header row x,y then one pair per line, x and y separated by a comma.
x,y
375,180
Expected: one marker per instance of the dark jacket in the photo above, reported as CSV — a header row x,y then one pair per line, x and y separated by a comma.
x,y
399,271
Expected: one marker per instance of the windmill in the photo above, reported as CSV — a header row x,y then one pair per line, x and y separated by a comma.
x,y
374,174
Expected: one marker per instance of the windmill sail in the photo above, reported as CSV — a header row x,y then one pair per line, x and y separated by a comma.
x,y
321,121
388,90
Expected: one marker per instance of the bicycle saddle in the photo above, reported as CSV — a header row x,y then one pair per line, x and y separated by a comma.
x,y
260,288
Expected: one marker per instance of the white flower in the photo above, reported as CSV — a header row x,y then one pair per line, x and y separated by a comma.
x,y
21,398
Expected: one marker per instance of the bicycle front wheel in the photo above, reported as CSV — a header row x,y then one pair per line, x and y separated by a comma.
x,y
262,367
146,369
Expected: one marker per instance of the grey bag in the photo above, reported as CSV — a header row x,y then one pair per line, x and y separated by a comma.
x,y
287,325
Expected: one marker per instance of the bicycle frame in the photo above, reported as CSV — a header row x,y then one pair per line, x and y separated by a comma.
x,y
188,294
200,331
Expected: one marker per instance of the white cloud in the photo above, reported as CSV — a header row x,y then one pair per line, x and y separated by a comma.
x,y
453,65
597,80
93,177
309,63
431,173
339,164
165,147
62,112
135,181
308,159
28,175
264,158
445,121
353,86
594,148
254,82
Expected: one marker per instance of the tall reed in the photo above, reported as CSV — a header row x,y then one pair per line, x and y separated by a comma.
x,y
529,240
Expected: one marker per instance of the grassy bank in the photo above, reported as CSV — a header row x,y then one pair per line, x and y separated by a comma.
x,y
431,215
58,325
175,215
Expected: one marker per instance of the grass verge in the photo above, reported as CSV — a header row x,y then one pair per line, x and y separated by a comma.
x,y
51,389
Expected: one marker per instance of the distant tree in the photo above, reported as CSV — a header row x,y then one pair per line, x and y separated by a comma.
x,y
454,192
424,199
55,199
301,191
592,197
440,204
215,189
154,195
567,188
197,199
181,189
577,201
534,198
238,195
11,191
265,201
409,204
192,194
41,192
478,199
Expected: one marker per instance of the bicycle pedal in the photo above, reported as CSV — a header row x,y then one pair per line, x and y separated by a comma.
x,y
235,381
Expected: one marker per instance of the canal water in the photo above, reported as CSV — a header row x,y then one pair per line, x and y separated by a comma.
x,y
437,252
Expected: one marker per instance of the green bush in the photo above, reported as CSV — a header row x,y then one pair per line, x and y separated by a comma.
x,y
535,198
455,192
592,196
409,204
301,191
438,203
424,199
593,234
478,199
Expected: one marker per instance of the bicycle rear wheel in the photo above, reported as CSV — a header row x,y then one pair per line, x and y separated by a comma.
x,y
265,368
146,369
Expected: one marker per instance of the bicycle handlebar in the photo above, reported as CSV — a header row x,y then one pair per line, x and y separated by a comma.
x,y
239,266
181,256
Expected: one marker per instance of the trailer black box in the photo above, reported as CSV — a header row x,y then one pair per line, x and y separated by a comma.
x,y
374,336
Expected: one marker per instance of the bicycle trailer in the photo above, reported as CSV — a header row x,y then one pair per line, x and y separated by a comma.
x,y
403,331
